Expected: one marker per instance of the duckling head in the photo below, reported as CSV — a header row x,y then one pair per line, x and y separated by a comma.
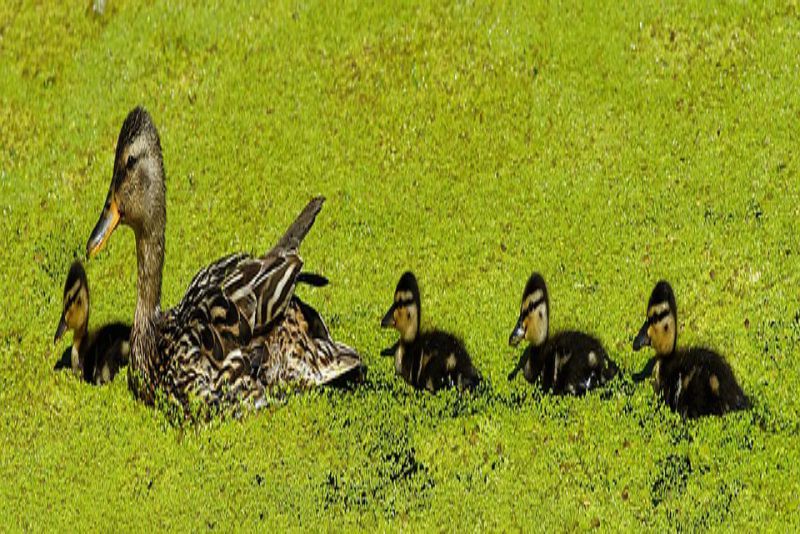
x,y
534,319
75,310
660,329
404,314
136,196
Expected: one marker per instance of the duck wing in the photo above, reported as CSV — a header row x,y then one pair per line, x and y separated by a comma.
x,y
238,296
300,350
238,318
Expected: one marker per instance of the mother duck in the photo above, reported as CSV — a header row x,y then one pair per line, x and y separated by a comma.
x,y
239,329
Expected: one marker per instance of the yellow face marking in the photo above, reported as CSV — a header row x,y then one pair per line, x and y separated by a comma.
x,y
77,302
72,291
405,321
658,308
535,324
662,334
403,295
530,299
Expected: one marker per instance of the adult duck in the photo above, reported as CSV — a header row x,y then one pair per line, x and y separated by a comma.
x,y
239,330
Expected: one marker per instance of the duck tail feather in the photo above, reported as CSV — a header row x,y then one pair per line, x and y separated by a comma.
x,y
312,279
302,224
342,363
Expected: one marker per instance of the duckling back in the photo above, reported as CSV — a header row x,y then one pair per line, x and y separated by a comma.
x,y
699,382
444,363
570,363
107,354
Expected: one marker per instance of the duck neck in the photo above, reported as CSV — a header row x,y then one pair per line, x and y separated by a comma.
x,y
78,338
402,358
144,349
535,361
150,262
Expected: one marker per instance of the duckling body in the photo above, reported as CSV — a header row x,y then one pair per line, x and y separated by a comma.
x,y
568,362
239,330
436,360
429,360
94,356
694,382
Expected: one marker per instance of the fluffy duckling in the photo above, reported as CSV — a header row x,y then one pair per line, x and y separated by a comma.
x,y
566,363
431,360
693,382
95,356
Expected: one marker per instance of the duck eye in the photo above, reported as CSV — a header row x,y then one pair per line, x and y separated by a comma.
x,y
131,162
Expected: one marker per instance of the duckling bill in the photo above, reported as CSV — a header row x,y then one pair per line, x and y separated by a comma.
x,y
693,382
429,360
94,356
566,363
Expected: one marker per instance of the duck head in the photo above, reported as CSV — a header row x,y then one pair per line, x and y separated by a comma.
x,y
404,313
660,329
75,304
136,196
534,319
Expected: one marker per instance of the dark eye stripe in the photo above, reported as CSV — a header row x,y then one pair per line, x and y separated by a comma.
x,y
73,298
533,305
403,303
131,161
655,318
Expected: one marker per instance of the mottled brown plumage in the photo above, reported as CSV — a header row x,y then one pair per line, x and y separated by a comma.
x,y
239,330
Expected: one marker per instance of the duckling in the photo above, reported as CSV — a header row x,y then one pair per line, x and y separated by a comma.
x,y
97,356
568,362
431,360
693,382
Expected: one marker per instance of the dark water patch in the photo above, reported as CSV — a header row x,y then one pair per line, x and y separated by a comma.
x,y
394,482
672,474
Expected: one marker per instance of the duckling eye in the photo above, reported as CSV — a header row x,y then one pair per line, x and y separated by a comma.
x,y
131,162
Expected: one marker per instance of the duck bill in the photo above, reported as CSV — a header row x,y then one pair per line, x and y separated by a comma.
x,y
388,319
642,339
105,226
62,327
518,334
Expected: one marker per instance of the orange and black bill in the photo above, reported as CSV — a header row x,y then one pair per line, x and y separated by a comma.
x,y
109,219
